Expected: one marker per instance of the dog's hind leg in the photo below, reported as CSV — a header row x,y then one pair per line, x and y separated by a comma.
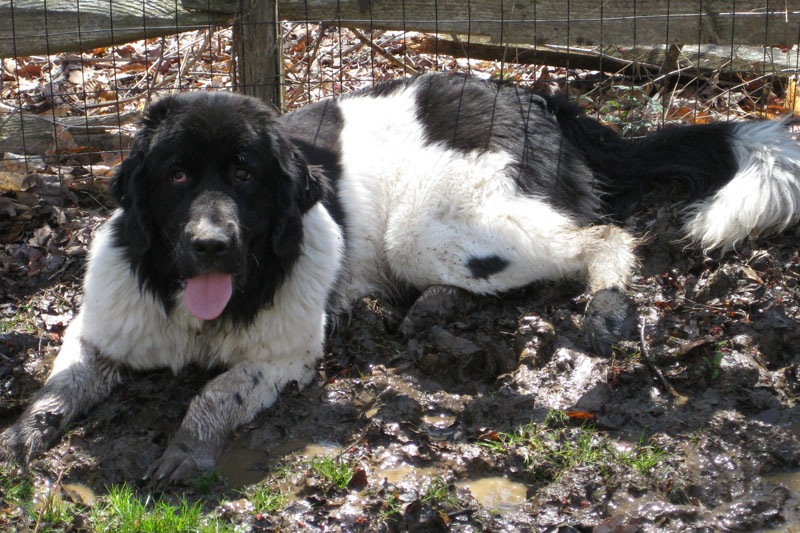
x,y
509,242
80,378
609,262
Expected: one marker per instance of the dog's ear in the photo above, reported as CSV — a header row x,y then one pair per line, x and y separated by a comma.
x,y
130,172
298,188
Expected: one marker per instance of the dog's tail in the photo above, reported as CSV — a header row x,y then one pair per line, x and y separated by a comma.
x,y
743,177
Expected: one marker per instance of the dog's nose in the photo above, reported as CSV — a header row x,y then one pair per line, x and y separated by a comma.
x,y
210,245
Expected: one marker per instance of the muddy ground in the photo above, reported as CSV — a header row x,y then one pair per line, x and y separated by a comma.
x,y
461,426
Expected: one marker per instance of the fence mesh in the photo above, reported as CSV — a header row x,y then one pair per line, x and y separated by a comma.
x,y
68,118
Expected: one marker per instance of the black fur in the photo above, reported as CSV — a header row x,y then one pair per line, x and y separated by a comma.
x,y
209,137
469,114
577,164
483,267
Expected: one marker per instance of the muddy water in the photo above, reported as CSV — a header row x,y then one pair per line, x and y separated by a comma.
x,y
404,472
497,492
242,466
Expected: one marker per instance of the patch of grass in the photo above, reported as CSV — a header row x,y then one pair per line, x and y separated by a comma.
x,y
22,321
712,364
125,512
392,507
643,458
437,492
334,470
266,499
53,515
554,447
556,419
16,490
205,482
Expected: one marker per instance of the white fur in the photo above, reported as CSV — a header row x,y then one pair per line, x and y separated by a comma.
x,y
417,212
763,195
129,326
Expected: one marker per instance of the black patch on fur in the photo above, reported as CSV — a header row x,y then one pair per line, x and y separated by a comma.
x,y
483,267
468,114
238,399
566,158
208,136
699,158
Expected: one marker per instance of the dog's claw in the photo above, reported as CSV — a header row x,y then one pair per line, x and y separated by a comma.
x,y
610,317
183,460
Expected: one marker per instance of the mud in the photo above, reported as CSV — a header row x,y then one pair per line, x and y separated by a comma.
x,y
426,416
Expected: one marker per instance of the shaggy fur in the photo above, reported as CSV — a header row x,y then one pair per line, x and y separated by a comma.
x,y
238,231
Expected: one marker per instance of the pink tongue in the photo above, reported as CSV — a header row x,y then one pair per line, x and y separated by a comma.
x,y
207,294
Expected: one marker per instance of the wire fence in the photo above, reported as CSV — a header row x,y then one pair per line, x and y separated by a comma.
x,y
77,74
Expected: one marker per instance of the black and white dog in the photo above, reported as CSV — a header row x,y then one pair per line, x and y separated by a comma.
x,y
239,230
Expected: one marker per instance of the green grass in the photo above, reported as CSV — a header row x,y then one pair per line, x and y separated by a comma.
x,y
125,512
206,481
52,515
334,470
643,458
438,492
16,490
22,321
554,447
266,499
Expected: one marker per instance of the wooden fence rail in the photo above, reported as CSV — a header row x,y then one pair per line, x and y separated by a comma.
x,y
48,26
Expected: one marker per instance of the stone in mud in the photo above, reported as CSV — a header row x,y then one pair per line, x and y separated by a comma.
x,y
533,340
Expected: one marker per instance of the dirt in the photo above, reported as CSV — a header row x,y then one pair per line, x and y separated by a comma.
x,y
436,406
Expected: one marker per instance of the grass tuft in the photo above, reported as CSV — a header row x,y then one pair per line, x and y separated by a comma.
x,y
334,470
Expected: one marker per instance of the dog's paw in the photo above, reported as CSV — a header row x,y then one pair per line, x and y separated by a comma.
x,y
435,304
185,458
30,435
610,317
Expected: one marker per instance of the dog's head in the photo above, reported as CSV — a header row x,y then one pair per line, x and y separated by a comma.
x,y
213,195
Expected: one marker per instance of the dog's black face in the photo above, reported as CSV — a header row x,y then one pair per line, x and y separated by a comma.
x,y
213,194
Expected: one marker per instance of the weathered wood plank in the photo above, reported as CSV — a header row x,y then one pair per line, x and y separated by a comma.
x,y
535,55
577,22
26,27
36,134
48,26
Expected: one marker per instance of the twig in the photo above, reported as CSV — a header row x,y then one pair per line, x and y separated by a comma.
x,y
311,54
192,59
648,358
48,501
310,58
382,51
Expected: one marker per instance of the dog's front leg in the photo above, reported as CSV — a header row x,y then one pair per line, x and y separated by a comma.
x,y
231,399
80,378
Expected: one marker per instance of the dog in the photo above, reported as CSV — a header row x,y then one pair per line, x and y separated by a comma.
x,y
239,232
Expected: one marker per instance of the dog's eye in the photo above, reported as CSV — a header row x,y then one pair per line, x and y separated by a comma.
x,y
241,175
179,176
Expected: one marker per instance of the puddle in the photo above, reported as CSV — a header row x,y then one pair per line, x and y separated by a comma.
x,y
790,480
402,472
439,421
242,466
245,466
497,492
78,493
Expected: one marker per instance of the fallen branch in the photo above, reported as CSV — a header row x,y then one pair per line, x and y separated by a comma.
x,y
648,358
382,51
